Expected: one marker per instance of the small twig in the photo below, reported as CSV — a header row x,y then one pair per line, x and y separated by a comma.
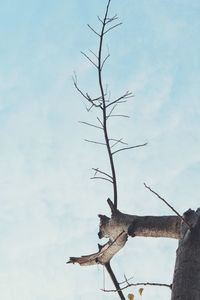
x,y
122,101
127,95
189,226
89,124
103,178
86,56
93,53
88,109
127,148
101,172
85,95
100,121
110,113
112,27
114,18
93,30
78,89
117,142
100,19
107,56
94,142
94,99
123,116
139,283
126,279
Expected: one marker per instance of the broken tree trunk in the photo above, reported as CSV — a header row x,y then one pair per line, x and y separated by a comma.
x,y
120,226
186,281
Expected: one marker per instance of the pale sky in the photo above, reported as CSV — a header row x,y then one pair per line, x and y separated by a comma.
x,y
49,205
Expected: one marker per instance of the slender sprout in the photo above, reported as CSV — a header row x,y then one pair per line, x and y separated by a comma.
x,y
106,106
103,178
105,21
127,148
101,172
95,142
89,124
103,101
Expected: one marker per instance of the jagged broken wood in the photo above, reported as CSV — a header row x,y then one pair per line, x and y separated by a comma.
x,y
120,226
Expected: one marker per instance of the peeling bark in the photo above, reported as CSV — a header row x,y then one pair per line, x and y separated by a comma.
x,y
120,226
104,255
186,281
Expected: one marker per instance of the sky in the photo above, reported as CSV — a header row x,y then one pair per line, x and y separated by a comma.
x,y
49,205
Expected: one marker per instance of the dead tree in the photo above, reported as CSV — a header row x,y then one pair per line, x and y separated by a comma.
x,y
120,226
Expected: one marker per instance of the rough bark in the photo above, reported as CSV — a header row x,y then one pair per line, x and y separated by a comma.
x,y
120,226
186,281
155,226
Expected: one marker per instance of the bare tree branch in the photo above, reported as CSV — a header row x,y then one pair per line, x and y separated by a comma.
x,y
101,172
138,284
123,116
93,30
161,198
100,121
93,53
100,19
111,28
126,279
94,142
111,111
85,95
114,18
89,124
107,56
127,148
88,98
86,56
94,99
117,142
106,20
127,95
103,178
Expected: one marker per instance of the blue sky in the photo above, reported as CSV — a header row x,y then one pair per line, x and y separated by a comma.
x,y
49,205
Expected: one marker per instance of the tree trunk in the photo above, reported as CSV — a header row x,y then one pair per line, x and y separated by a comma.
x,y
186,281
